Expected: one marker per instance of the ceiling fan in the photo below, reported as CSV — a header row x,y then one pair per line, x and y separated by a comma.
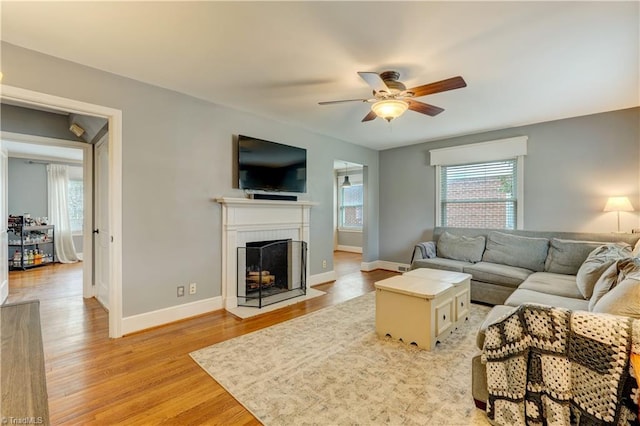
x,y
391,98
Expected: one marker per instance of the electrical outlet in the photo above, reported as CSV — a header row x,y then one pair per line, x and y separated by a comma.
x,y
324,264
180,290
192,288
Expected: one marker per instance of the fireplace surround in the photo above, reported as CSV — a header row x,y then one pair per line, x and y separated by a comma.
x,y
247,220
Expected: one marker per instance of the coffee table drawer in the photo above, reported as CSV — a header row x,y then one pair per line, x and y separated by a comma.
x,y
444,316
462,301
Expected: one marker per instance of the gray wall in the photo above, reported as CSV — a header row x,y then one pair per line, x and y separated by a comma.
x,y
27,190
572,166
351,239
177,156
33,122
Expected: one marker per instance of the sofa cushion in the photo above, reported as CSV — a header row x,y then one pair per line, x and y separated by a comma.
x,y
440,263
497,274
596,263
566,256
522,296
623,299
496,314
514,250
459,247
606,282
550,283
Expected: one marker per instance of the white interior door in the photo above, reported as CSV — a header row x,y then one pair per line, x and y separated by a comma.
x,y
101,239
4,247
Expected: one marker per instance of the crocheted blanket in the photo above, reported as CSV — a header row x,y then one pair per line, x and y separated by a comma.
x,y
555,366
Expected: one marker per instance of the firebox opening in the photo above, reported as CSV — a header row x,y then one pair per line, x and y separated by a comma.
x,y
271,271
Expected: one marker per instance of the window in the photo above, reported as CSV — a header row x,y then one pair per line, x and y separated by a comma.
x,y
351,204
480,185
75,205
481,195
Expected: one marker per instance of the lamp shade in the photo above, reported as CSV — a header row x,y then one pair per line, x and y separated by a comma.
x,y
618,204
389,108
346,183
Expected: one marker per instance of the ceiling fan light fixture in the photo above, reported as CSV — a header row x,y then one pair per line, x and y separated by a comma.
x,y
389,108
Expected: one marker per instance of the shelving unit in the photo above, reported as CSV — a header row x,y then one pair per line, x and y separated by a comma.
x,y
25,240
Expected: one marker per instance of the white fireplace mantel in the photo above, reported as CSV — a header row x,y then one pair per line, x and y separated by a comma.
x,y
246,220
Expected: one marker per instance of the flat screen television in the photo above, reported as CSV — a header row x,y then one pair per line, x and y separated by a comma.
x,y
271,166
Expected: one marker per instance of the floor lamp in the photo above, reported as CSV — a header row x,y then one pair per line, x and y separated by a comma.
x,y
618,204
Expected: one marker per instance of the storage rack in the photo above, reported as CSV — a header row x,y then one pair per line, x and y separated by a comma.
x,y
25,236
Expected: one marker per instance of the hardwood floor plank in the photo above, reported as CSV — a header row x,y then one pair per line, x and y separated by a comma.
x,y
24,391
148,377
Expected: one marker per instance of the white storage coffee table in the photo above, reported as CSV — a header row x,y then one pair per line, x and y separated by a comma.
x,y
422,306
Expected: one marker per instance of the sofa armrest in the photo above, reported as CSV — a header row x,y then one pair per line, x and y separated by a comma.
x,y
425,250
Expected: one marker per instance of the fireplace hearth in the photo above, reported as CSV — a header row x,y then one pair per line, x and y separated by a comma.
x,y
271,271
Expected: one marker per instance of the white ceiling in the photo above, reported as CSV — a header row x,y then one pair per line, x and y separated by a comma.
x,y
524,62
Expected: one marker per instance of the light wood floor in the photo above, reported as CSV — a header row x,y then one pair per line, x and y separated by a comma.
x,y
148,377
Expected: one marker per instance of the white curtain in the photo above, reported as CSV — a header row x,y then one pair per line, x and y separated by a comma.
x,y
57,184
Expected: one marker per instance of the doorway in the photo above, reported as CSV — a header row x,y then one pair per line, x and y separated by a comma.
x,y
27,184
349,206
114,118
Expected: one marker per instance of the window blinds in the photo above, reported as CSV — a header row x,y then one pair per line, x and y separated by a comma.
x,y
481,195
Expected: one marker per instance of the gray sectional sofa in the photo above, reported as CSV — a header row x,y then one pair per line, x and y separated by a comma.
x,y
500,261
577,271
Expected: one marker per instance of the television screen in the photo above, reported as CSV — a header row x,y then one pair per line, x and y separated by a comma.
x,y
271,166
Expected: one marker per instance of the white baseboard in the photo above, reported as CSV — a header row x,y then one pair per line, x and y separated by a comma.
x,y
351,249
171,314
325,277
384,264
393,266
369,266
4,292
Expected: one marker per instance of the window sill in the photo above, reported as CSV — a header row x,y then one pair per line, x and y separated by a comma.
x,y
354,230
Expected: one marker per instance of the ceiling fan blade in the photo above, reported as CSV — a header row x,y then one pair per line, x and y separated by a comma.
x,y
439,86
345,100
371,116
423,108
374,80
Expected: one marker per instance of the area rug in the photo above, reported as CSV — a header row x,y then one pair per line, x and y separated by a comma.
x,y
330,368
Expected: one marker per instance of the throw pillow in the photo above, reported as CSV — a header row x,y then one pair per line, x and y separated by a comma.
x,y
566,256
606,282
623,299
628,267
596,263
515,250
459,247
